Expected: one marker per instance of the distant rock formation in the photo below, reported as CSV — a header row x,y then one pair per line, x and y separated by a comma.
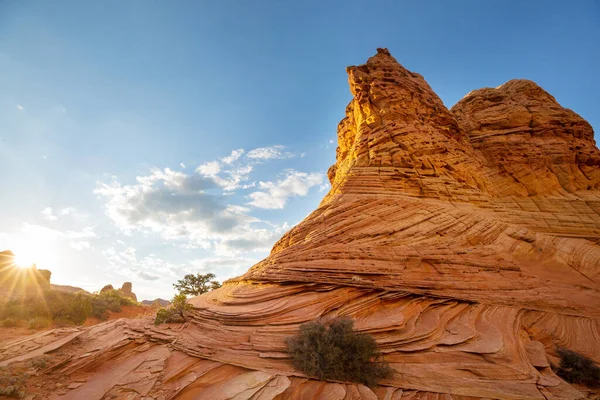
x,y
465,241
156,302
125,290
107,288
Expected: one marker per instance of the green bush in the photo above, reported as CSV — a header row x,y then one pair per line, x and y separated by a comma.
x,y
39,323
9,322
335,351
62,307
175,312
577,368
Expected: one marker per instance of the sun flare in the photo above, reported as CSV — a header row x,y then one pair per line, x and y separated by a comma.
x,y
25,259
34,249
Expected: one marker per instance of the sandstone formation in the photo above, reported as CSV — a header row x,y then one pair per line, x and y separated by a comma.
x,y
107,288
464,240
125,290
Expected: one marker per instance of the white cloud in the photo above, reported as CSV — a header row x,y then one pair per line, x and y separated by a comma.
x,y
235,177
47,213
149,268
43,236
210,168
231,173
182,165
74,214
276,194
177,207
235,154
20,107
80,245
268,153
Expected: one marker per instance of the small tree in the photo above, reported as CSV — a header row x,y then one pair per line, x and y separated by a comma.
x,y
175,312
195,285
335,351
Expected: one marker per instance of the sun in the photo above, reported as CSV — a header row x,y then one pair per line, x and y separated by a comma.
x,y
25,258
33,250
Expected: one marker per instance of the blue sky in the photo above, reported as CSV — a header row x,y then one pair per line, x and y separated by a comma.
x,y
142,140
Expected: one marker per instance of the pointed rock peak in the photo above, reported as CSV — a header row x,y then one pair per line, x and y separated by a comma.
x,y
397,124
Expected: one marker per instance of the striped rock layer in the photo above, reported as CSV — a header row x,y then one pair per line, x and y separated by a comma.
x,y
464,240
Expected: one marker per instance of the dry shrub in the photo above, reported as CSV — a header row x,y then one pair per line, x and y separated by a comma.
x,y
577,368
335,351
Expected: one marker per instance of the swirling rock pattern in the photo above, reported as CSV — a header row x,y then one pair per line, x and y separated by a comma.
x,y
464,240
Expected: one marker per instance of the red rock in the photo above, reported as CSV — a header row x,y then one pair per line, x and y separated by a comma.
x,y
464,240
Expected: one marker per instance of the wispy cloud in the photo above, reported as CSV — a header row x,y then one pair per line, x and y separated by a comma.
x,y
210,168
276,194
235,154
47,213
269,153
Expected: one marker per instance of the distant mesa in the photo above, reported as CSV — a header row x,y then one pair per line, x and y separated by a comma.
x,y
156,302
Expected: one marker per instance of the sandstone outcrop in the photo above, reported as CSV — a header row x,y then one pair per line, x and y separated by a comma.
x,y
126,290
464,240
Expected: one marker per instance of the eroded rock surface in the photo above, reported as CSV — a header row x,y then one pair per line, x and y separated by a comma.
x,y
464,240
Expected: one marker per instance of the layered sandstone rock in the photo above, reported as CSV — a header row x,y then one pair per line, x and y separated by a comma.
x,y
464,240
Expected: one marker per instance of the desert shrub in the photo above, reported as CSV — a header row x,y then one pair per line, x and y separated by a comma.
x,y
179,304
9,322
40,362
127,301
109,300
12,391
39,323
73,308
175,312
163,315
64,308
577,368
335,351
11,383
